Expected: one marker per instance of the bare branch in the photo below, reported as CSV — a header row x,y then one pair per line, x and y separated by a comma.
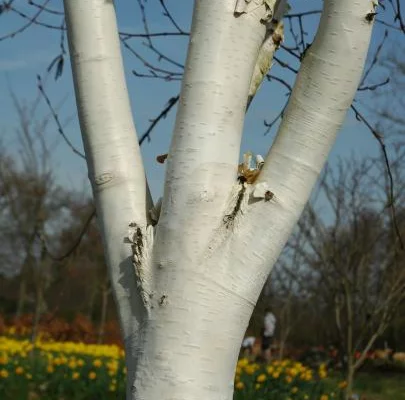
x,y
163,114
167,14
76,242
56,119
391,202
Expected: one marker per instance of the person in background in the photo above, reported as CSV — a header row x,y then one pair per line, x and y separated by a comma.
x,y
269,325
247,346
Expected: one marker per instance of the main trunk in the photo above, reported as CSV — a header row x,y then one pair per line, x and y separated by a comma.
x,y
189,347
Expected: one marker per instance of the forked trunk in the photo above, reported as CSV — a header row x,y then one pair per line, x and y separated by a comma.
x,y
185,288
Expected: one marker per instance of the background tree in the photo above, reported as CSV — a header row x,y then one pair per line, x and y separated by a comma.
x,y
287,293
352,253
32,205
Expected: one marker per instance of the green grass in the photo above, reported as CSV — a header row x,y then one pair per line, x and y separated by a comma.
x,y
378,386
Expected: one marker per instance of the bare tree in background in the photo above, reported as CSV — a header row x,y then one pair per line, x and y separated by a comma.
x,y
87,260
288,290
33,206
389,110
352,250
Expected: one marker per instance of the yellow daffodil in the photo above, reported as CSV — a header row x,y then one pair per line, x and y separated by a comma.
x,y
243,362
240,385
19,370
250,369
3,373
342,385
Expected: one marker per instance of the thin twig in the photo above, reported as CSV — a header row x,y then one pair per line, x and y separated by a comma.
x,y
35,21
271,124
56,119
167,14
163,114
76,243
374,86
46,9
374,60
391,202
128,35
285,65
30,22
280,80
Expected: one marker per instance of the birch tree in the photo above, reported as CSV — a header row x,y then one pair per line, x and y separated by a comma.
x,y
356,267
187,272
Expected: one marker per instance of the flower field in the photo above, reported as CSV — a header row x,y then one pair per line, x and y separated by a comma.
x,y
67,370
282,380
60,370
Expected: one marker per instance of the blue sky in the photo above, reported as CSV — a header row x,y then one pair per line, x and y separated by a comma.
x,y
29,54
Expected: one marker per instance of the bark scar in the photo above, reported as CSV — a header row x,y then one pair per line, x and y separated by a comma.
x,y
140,242
230,218
163,300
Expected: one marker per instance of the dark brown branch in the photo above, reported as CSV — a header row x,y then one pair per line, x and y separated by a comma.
x,y
291,52
56,119
155,72
271,124
35,21
46,9
30,22
398,15
285,65
172,76
167,14
391,202
76,243
280,80
384,23
374,61
303,14
127,35
163,114
150,45
374,86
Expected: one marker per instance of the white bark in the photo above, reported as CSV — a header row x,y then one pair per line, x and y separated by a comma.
x,y
324,89
112,152
216,240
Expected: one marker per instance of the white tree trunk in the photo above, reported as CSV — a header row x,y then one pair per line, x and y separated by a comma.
x,y
185,303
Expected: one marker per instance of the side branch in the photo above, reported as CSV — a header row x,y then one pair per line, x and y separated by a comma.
x,y
110,142
324,90
204,153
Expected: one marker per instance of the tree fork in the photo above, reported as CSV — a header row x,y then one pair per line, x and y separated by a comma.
x,y
186,346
